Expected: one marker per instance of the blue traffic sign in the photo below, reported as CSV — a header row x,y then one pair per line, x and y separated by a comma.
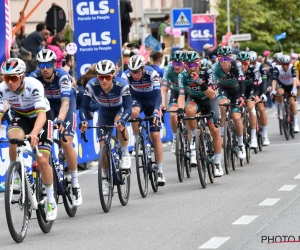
x,y
182,18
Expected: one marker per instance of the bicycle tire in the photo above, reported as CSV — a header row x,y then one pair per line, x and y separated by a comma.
x,y
67,195
259,132
154,174
209,160
106,205
41,211
124,182
17,236
292,132
248,154
187,160
179,155
285,123
202,169
226,147
233,154
142,180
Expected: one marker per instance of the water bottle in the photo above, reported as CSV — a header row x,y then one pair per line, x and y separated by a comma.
x,y
148,148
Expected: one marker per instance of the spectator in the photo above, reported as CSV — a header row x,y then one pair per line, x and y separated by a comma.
x,y
69,64
260,59
57,46
31,66
18,44
236,48
35,39
157,58
208,48
184,50
125,9
162,27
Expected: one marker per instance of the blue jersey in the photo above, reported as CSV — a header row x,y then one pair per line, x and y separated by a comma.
x,y
159,70
118,97
147,89
59,89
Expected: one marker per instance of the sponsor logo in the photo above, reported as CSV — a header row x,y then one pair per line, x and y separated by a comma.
x,y
91,39
89,8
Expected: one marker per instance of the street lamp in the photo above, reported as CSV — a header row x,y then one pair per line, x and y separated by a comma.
x,y
228,15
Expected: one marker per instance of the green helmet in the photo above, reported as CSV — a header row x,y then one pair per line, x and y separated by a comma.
x,y
191,56
177,56
224,51
243,56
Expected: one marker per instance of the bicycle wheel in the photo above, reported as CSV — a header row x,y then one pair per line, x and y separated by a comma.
x,y
226,146
233,153
187,159
14,198
153,174
209,159
141,166
201,160
42,201
179,155
292,133
279,121
248,154
124,187
285,123
68,194
105,194
259,132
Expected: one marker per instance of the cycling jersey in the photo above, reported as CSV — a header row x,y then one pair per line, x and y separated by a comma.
x,y
263,78
117,98
170,76
60,88
297,67
147,89
27,101
284,77
188,86
252,81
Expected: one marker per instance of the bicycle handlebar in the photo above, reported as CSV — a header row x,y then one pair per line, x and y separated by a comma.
x,y
212,114
138,119
62,135
22,143
104,127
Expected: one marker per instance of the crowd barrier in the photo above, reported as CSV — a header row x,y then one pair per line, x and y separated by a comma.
x,y
85,151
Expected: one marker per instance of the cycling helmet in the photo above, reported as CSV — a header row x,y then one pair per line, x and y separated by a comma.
x,y
224,51
46,55
285,59
105,67
136,62
191,56
253,56
243,56
204,62
177,56
277,56
13,66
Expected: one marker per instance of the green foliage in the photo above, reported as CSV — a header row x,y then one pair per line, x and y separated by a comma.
x,y
67,34
263,19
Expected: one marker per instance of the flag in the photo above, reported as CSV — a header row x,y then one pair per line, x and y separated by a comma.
x,y
5,30
280,36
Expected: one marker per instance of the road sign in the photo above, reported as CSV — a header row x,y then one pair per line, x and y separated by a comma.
x,y
182,18
241,37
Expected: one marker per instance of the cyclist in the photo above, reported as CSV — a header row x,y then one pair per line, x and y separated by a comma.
x,y
263,82
146,96
112,94
231,87
32,119
59,92
285,77
198,83
171,73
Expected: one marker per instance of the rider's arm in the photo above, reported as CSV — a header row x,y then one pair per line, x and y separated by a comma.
x,y
66,94
210,92
156,88
164,85
181,89
294,76
2,99
256,83
86,98
127,105
275,78
38,96
241,79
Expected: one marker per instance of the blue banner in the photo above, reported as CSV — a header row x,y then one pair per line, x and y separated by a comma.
x,y
85,151
280,36
201,34
97,32
5,30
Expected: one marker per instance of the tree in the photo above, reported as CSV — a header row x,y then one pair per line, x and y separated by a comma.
x,y
263,19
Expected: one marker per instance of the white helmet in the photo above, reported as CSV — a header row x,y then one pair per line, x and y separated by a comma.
x,y
46,55
136,62
253,56
13,66
285,59
105,67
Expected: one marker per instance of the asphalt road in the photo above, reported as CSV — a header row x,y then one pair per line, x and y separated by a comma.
x,y
242,210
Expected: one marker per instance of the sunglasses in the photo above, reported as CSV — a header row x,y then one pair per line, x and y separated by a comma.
x,y
225,59
134,72
245,63
47,65
191,65
13,78
285,64
177,64
101,78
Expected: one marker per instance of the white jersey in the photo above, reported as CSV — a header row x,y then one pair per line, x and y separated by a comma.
x,y
284,77
28,100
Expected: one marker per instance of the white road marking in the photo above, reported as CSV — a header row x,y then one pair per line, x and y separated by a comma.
x,y
283,144
287,188
214,243
245,220
1,199
269,202
297,176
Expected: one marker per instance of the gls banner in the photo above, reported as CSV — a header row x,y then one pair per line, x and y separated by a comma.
x,y
97,32
203,31
5,30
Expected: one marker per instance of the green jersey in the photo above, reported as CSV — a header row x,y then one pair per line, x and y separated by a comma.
x,y
170,76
